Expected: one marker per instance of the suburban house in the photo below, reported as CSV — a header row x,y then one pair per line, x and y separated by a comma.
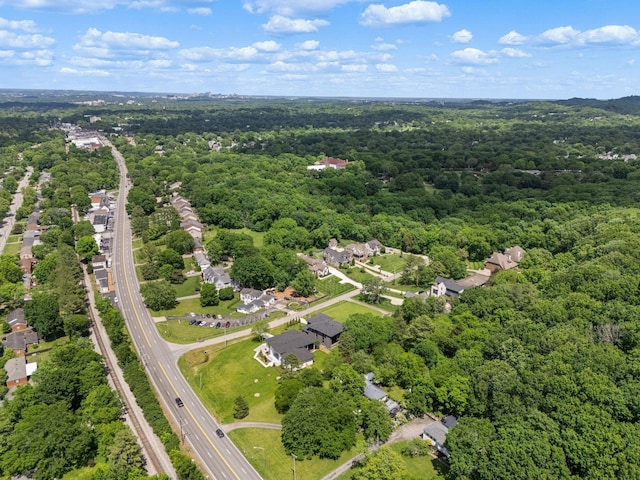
x,y
19,371
16,320
446,286
249,295
325,330
197,245
20,341
100,222
436,433
318,266
216,276
202,260
358,250
374,247
336,258
193,228
252,304
499,261
373,392
300,344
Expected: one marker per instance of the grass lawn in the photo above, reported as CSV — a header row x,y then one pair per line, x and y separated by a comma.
x,y
332,287
391,262
14,239
419,468
229,372
343,310
137,243
358,274
273,463
12,248
188,287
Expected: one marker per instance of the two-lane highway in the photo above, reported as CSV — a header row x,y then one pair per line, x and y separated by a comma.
x,y
219,456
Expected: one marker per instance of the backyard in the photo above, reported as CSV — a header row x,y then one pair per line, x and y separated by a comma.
x,y
343,310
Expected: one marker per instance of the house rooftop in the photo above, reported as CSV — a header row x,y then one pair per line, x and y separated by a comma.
x,y
292,341
324,325
451,285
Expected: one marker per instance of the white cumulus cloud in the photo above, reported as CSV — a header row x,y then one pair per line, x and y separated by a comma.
x,y
514,53
417,11
560,35
618,34
309,45
200,11
462,36
13,40
281,24
125,40
386,67
268,46
24,25
292,8
513,38
473,56
353,68
84,73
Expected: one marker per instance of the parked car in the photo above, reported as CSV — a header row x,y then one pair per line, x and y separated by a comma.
x,y
227,325
179,402
220,433
218,325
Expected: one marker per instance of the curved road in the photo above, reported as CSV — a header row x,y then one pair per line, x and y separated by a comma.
x,y
219,457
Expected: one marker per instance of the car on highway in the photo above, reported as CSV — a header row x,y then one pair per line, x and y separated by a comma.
x,y
220,433
179,402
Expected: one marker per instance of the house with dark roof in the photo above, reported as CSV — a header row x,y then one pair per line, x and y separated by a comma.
x,y
325,330
202,260
300,344
436,433
16,320
446,286
336,258
374,392
20,341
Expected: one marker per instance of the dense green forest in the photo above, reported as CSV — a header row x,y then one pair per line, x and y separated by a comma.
x,y
541,364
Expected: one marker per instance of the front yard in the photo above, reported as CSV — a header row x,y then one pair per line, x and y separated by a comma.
x,y
343,310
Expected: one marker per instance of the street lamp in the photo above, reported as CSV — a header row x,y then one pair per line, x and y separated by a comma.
x,y
293,455
264,457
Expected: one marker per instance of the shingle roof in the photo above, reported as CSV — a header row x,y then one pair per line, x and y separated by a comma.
x,y
324,325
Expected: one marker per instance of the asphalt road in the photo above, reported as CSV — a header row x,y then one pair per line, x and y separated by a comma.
x,y
7,225
219,457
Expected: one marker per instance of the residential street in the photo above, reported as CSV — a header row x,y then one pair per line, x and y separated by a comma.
x,y
10,219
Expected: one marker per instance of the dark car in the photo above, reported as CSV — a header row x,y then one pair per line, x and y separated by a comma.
x,y
220,433
218,325
179,402
227,325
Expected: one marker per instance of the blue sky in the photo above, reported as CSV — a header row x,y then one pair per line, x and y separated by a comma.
x,y
353,48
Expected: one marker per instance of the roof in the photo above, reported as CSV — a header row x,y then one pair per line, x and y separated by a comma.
x,y
501,260
333,161
373,244
324,325
251,292
450,421
515,254
20,340
437,432
100,273
16,317
371,391
290,341
451,285
16,369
